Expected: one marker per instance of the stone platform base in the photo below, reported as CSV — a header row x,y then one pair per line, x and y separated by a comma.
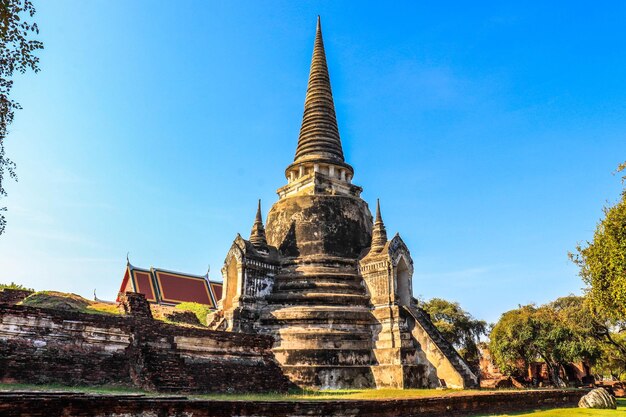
x,y
461,404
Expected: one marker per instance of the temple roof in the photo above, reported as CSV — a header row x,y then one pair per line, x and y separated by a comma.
x,y
161,286
319,135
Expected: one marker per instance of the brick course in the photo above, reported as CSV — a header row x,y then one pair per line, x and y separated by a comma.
x,y
51,346
79,405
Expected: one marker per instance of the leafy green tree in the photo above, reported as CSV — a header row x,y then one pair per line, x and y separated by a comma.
x,y
585,319
16,55
612,362
457,326
602,261
551,333
511,340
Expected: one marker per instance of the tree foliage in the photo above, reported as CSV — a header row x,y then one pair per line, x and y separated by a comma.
x,y
17,54
602,261
557,333
457,326
14,286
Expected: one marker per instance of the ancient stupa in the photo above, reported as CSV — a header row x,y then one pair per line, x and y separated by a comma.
x,y
325,281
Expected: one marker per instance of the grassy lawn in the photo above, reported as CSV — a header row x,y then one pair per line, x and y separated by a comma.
x,y
107,389
324,395
290,396
369,394
577,412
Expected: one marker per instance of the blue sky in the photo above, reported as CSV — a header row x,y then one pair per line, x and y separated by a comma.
x,y
489,131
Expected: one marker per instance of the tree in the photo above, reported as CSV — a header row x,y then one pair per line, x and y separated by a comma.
x,y
557,333
612,362
511,340
457,326
14,286
607,334
17,54
602,261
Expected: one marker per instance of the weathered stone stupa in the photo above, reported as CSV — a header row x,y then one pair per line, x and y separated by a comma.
x,y
325,281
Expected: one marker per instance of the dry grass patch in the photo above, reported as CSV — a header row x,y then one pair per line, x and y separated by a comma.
x,y
68,302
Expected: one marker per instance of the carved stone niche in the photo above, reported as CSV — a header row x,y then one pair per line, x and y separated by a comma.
x,y
248,275
388,274
402,268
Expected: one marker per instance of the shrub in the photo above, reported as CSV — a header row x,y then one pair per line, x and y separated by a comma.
x,y
200,310
14,286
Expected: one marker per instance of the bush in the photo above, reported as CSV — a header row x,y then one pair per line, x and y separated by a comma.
x,y
14,286
200,310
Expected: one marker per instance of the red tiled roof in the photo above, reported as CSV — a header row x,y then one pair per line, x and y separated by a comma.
x,y
177,288
216,288
143,283
167,287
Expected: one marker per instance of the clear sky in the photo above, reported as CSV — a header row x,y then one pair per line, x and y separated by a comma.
x,y
489,131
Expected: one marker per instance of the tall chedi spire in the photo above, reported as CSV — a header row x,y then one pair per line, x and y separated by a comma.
x,y
257,235
319,134
379,233
319,141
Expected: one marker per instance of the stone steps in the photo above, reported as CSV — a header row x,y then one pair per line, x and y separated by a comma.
x,y
331,377
446,347
307,288
362,332
303,283
320,315
319,273
316,298
325,357
323,337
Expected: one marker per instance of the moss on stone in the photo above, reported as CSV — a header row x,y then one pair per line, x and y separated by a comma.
x,y
200,310
55,300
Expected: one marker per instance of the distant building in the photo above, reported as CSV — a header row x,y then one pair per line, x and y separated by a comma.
x,y
164,287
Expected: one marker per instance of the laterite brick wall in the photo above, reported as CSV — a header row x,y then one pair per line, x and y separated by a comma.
x,y
52,346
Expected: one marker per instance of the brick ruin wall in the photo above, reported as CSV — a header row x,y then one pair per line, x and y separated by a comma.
x,y
10,296
51,346
79,405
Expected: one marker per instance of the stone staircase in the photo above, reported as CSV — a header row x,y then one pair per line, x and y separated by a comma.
x,y
216,320
320,317
459,364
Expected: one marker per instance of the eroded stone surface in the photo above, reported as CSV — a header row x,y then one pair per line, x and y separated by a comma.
x,y
47,346
79,405
323,279
598,398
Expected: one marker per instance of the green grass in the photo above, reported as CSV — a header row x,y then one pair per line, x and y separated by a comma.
x,y
68,302
291,396
200,310
379,394
576,412
104,389
366,394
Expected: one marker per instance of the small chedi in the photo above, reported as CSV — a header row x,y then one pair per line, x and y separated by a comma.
x,y
325,281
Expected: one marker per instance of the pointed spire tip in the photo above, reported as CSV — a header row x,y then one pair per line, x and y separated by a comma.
x,y
379,233
258,212
257,235
319,134
378,215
